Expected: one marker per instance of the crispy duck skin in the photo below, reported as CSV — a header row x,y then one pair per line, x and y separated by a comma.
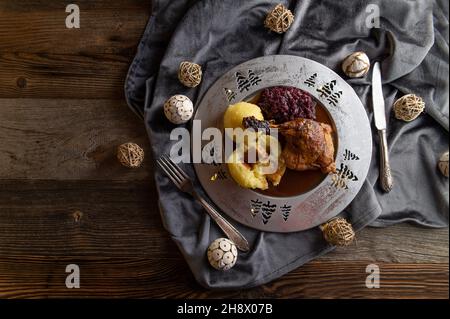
x,y
309,145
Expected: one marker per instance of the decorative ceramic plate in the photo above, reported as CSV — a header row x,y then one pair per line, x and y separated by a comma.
x,y
269,211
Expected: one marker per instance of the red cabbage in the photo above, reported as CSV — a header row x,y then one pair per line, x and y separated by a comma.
x,y
284,104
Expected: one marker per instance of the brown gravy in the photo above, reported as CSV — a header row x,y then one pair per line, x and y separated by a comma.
x,y
295,183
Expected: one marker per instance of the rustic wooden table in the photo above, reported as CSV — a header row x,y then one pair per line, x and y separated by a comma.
x,y
64,198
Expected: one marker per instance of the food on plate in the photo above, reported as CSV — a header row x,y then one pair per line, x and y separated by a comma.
x,y
236,113
247,176
269,166
276,177
284,104
309,145
304,145
258,125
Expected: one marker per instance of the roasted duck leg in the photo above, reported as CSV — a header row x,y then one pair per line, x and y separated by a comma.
x,y
309,145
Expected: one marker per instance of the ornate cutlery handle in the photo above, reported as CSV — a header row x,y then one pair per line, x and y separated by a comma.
x,y
232,233
387,181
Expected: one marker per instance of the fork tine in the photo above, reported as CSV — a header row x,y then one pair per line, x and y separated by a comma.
x,y
169,173
173,169
175,166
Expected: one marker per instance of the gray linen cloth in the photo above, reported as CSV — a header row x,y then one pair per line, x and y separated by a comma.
x,y
412,43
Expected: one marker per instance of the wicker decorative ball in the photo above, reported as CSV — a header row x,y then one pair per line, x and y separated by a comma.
x,y
222,254
179,109
338,232
443,164
356,65
279,19
130,155
409,107
190,74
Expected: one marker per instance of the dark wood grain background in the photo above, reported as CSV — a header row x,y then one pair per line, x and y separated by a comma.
x,y
64,198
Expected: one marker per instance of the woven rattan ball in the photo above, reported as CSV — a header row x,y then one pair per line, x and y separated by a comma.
x,y
338,232
409,107
279,19
190,74
130,155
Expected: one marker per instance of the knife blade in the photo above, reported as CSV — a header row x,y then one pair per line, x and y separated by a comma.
x,y
379,111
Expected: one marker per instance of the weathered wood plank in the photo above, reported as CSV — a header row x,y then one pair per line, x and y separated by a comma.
x,y
40,277
403,243
121,218
40,5
48,75
41,58
106,27
91,218
68,139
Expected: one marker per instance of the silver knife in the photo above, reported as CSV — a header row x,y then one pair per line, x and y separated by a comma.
x,y
379,111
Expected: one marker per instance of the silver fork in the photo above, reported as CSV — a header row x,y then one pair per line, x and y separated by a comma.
x,y
184,183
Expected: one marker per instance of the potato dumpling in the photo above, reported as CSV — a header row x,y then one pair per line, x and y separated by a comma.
x,y
247,176
236,113
256,176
